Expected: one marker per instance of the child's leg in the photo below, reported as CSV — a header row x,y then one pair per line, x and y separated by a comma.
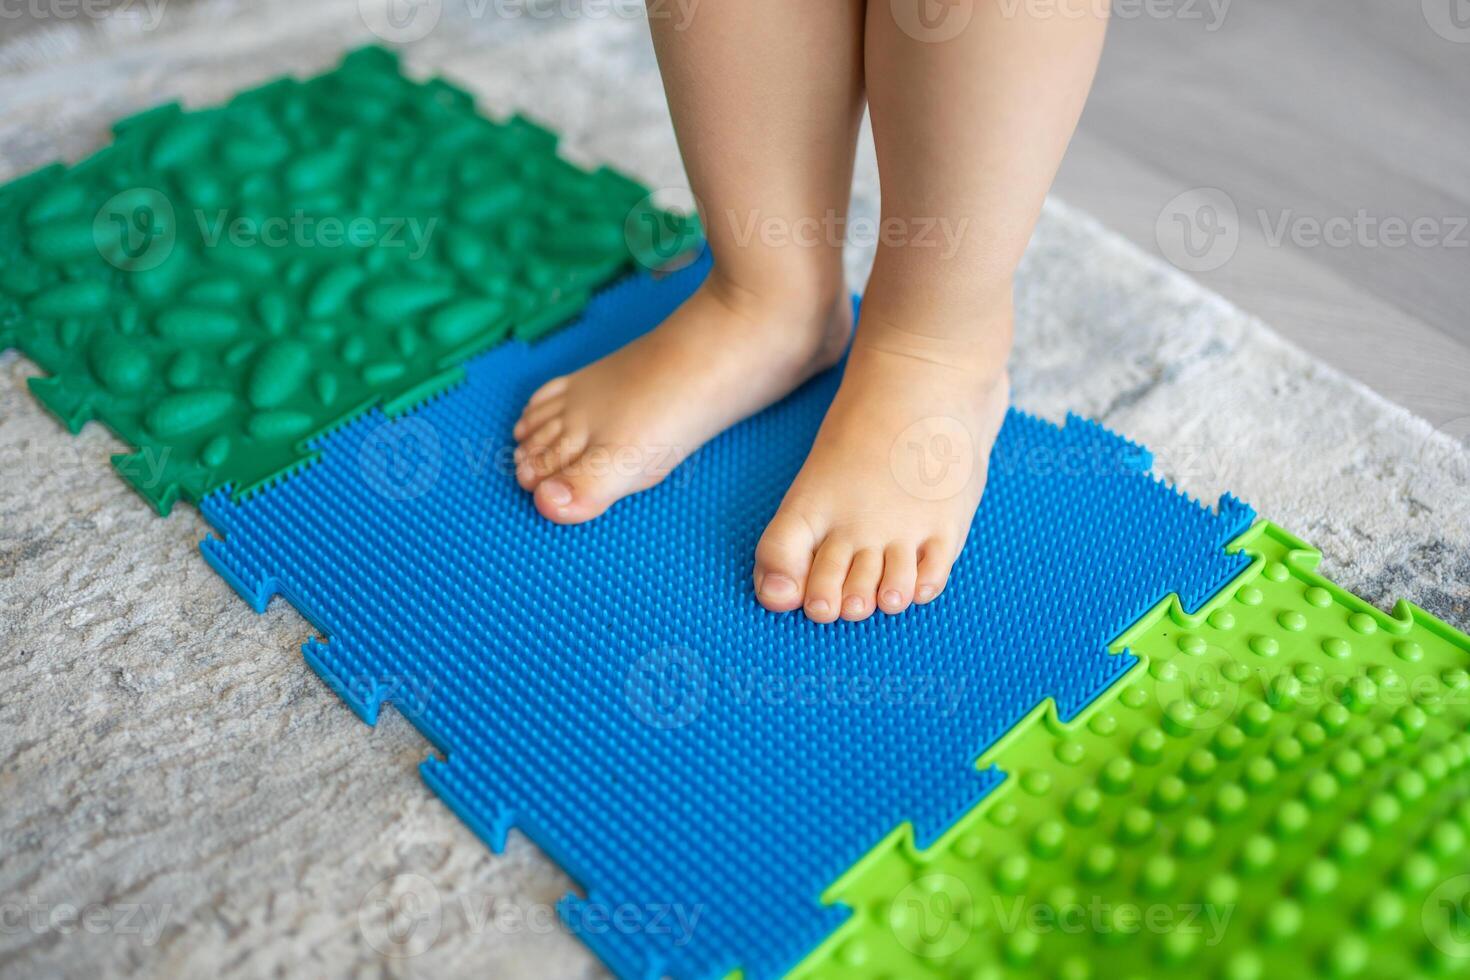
x,y
969,133
766,97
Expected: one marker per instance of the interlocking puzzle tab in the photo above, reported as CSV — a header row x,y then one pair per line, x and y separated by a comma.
x,y
219,286
1280,788
614,691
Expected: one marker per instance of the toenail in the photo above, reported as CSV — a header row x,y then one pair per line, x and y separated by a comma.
x,y
778,587
854,605
558,492
892,598
818,607
524,471
926,592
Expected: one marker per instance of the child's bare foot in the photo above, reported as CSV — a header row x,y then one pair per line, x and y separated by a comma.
x,y
883,504
619,425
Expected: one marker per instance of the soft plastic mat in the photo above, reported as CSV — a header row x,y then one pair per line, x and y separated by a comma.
x,y
1280,788
614,691
219,285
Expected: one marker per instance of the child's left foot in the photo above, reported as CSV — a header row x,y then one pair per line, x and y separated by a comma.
x,y
884,502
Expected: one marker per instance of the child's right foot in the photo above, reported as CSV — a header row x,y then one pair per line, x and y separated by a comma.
x,y
619,425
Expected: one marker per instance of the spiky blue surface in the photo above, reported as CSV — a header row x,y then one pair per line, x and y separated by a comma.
x,y
614,691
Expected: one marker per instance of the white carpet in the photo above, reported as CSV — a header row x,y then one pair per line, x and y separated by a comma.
x,y
168,759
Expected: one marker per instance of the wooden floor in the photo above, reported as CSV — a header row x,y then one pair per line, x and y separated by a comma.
x,y
1303,109
1299,111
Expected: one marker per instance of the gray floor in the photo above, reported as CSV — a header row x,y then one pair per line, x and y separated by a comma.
x,y
1303,109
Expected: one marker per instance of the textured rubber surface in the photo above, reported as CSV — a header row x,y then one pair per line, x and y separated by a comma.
x,y
614,691
217,286
1280,789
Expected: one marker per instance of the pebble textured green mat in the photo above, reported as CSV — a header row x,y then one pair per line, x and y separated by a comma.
x,y
220,286
1279,789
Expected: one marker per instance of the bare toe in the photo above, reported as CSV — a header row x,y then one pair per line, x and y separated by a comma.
x,y
587,485
537,415
550,389
896,590
783,558
824,585
551,457
860,590
936,557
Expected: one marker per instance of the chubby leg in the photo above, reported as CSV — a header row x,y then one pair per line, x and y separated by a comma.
x,y
766,97
970,126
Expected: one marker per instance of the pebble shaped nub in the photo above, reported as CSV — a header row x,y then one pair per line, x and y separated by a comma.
x,y
63,240
121,367
279,424
396,300
464,320
488,204
185,370
279,372
314,170
64,198
188,411
585,239
197,324
332,291
186,138
82,298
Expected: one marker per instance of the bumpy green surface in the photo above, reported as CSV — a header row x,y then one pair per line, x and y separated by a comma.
x,y
220,286
1279,789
